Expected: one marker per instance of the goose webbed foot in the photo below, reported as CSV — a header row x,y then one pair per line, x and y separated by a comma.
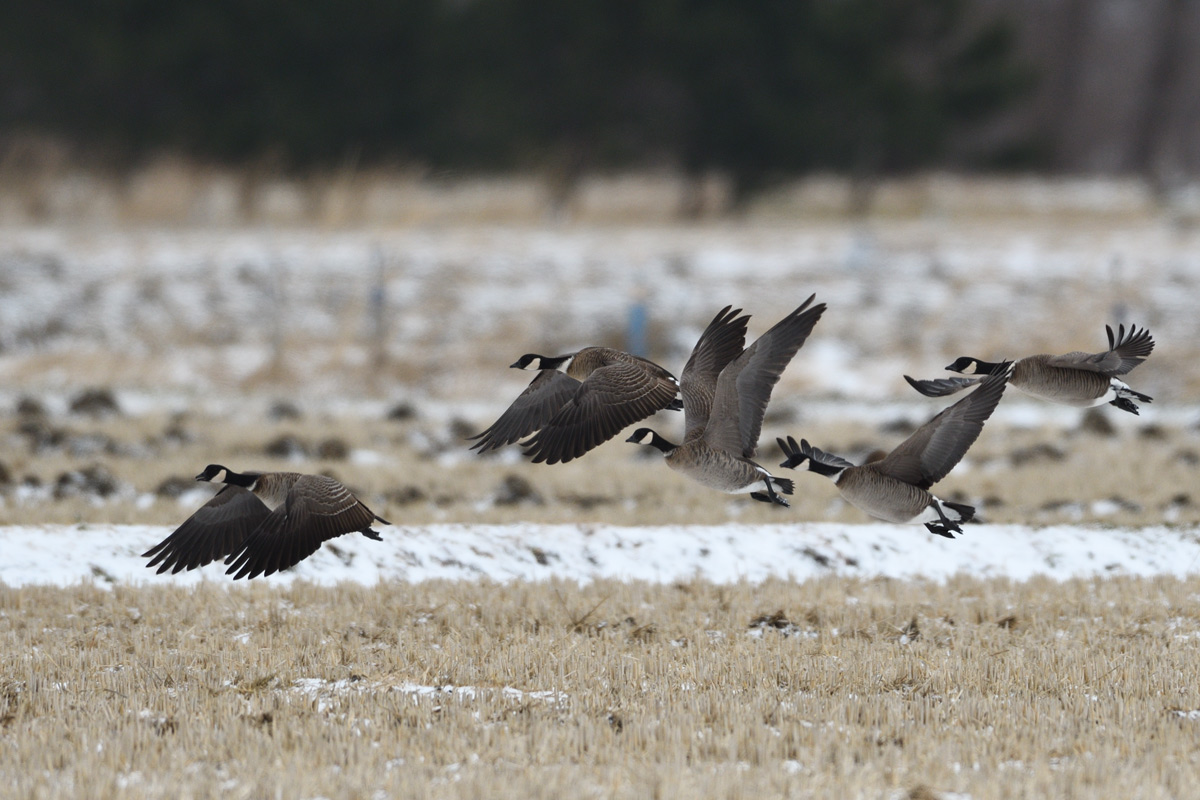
x,y
947,529
370,534
1125,404
770,496
944,526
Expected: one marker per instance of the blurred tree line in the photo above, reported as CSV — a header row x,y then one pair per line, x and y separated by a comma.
x,y
754,89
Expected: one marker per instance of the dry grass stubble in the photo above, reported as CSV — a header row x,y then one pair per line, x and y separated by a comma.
x,y
420,471
859,688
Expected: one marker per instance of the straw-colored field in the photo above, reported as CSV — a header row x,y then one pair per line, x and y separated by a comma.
x,y
875,689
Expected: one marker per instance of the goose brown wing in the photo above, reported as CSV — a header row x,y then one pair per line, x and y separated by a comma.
x,y
215,530
721,342
611,399
1125,351
745,384
931,452
316,508
543,397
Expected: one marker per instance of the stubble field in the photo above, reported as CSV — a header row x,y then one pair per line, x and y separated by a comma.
x,y
835,687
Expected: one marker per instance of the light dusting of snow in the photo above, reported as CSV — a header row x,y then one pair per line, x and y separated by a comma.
x,y
66,554
322,691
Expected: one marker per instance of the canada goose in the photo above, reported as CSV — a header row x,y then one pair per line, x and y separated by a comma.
x,y
725,394
896,487
579,401
1075,379
263,522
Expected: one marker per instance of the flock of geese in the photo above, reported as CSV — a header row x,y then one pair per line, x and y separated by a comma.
x,y
263,522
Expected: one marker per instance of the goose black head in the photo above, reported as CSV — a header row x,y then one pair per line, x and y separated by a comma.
x,y
795,453
526,360
534,361
966,366
213,471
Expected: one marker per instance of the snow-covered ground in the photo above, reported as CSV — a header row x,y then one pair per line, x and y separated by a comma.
x,y
206,311
107,554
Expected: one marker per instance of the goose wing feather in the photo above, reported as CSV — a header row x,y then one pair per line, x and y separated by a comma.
x,y
610,399
721,342
928,455
1125,351
216,529
316,508
941,387
543,397
745,384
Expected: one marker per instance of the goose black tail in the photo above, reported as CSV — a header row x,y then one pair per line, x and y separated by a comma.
x,y
818,460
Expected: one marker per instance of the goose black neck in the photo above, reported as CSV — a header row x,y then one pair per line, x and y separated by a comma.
x,y
540,362
989,367
821,468
238,479
552,362
660,443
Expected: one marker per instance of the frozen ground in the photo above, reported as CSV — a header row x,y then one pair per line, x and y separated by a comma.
x,y
109,554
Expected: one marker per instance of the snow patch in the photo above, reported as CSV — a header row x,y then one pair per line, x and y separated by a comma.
x,y
66,554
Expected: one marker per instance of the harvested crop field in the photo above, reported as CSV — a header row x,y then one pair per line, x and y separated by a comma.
x,y
831,687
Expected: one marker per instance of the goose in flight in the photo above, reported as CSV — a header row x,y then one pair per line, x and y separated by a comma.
x,y
262,522
725,392
896,487
1075,379
578,401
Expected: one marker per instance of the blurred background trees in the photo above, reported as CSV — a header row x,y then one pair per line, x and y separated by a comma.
x,y
756,90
